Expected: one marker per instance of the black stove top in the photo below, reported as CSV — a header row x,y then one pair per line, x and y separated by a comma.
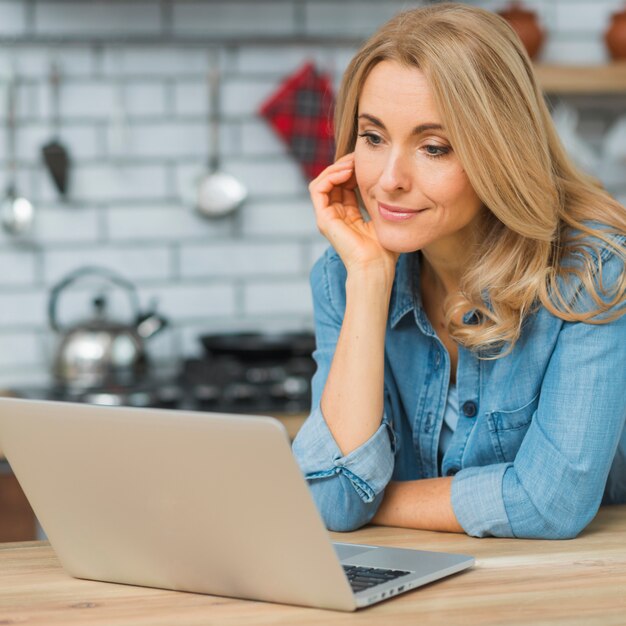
x,y
221,384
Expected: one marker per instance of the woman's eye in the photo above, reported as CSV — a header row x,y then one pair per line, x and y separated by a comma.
x,y
436,151
371,139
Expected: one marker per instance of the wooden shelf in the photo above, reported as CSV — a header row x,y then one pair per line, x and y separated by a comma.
x,y
583,79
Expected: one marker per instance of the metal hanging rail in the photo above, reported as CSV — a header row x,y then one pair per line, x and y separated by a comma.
x,y
182,40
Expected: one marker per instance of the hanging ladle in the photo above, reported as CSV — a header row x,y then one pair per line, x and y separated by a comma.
x,y
219,193
17,213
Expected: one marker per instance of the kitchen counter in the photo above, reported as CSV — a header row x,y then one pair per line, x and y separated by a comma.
x,y
580,581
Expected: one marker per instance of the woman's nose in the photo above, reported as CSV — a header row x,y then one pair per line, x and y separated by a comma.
x,y
395,175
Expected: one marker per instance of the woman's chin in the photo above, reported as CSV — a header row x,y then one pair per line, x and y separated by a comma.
x,y
399,244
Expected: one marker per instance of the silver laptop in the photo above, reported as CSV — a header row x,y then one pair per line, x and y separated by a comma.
x,y
201,502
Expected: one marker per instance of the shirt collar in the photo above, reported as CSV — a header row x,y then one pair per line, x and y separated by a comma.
x,y
406,295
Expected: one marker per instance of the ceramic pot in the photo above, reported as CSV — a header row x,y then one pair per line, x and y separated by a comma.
x,y
615,36
526,24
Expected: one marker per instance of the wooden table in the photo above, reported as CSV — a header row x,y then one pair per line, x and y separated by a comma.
x,y
581,581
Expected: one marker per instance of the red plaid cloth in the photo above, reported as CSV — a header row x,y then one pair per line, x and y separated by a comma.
x,y
301,112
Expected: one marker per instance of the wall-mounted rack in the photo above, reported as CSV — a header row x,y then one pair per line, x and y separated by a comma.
x,y
609,78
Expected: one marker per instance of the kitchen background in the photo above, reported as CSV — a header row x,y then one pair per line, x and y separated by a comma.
x,y
133,106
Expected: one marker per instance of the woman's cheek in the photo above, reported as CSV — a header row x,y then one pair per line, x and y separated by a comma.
x,y
438,182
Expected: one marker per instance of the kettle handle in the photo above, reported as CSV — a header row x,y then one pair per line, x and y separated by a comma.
x,y
110,275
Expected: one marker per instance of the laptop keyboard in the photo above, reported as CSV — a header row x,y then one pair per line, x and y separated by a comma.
x,y
362,578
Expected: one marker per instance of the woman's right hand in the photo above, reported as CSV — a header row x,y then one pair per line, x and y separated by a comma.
x,y
340,221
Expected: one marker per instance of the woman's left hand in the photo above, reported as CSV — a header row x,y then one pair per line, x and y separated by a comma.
x,y
339,219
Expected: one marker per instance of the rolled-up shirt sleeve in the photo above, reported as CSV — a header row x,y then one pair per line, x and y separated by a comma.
x,y
554,487
478,501
347,489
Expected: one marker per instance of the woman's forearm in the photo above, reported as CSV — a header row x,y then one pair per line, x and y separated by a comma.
x,y
421,504
352,401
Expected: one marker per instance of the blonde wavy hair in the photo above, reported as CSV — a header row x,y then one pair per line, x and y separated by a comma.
x,y
542,210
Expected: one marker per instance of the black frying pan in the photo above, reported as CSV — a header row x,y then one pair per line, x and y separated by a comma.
x,y
253,346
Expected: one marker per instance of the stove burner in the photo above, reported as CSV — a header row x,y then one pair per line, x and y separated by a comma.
x,y
258,386
240,392
259,375
291,387
206,393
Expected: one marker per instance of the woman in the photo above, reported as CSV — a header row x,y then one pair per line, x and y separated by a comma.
x,y
471,336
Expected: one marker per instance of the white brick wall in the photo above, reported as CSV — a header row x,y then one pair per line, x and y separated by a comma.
x,y
245,259
243,96
276,60
97,18
286,296
19,349
163,223
198,301
132,194
350,18
137,263
234,18
77,61
258,139
159,140
21,308
153,61
92,99
280,176
58,225
191,98
585,16
12,17
289,218
573,52
18,267
145,99
105,183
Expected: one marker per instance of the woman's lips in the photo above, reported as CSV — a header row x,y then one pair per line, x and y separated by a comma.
x,y
396,213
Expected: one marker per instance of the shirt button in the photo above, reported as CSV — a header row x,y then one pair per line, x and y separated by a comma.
x,y
469,409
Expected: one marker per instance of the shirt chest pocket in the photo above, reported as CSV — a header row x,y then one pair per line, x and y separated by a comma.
x,y
508,429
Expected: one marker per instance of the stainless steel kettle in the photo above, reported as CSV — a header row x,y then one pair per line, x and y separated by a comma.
x,y
101,352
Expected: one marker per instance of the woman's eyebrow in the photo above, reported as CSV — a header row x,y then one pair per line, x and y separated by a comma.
x,y
416,131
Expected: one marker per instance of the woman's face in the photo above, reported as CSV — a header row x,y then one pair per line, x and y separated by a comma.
x,y
411,181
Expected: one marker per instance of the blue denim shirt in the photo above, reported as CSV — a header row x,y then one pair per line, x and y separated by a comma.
x,y
539,432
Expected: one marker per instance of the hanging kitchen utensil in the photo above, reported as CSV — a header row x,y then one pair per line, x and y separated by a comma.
x,y
219,193
55,154
301,113
17,212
